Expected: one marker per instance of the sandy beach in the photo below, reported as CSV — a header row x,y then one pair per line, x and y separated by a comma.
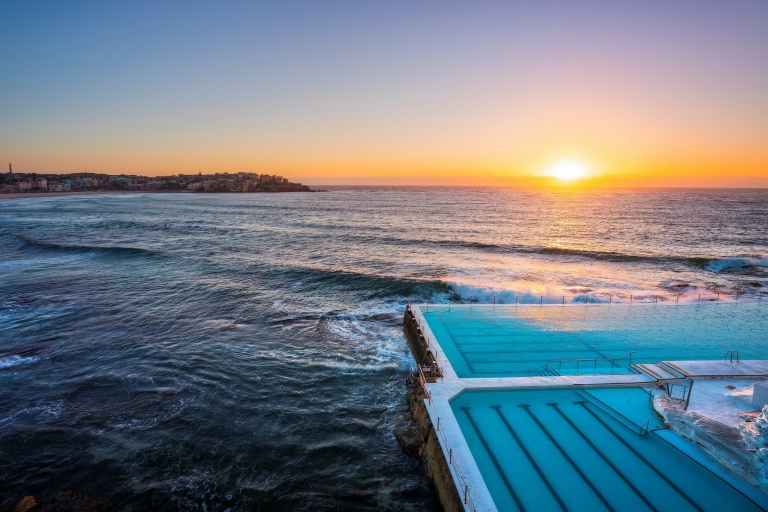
x,y
32,195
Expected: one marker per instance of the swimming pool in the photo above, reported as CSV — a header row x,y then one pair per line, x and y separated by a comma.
x,y
513,341
584,449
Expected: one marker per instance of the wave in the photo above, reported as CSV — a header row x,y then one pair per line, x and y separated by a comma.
x,y
609,256
54,260
371,285
715,264
81,249
8,362
554,293
524,295
719,265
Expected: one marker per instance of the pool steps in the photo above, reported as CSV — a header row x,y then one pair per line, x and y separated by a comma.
x,y
660,370
637,429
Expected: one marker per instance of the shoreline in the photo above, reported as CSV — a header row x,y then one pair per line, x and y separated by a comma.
x,y
31,195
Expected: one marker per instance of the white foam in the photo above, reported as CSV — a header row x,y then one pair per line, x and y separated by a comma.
x,y
524,293
371,343
721,264
52,409
8,362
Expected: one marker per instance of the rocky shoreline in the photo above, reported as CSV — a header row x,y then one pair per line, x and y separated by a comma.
x,y
62,501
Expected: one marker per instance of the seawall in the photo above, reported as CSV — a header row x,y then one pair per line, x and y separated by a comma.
x,y
425,442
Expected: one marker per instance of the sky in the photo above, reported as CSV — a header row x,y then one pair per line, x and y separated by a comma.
x,y
646,93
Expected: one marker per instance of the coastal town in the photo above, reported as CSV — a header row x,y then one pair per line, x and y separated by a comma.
x,y
11,182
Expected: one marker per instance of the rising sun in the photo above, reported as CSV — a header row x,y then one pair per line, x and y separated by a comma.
x,y
567,170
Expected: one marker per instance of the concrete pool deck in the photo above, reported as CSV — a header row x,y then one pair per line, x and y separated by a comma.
x,y
440,391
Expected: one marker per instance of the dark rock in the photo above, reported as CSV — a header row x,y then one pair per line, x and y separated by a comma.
x,y
28,504
74,501
410,438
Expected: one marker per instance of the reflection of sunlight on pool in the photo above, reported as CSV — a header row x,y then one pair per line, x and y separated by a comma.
x,y
488,341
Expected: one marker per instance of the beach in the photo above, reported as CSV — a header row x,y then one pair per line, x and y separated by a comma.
x,y
36,195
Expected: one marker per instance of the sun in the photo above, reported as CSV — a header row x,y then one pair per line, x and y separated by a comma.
x,y
567,170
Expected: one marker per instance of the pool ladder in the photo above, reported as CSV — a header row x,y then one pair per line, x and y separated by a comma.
x,y
730,355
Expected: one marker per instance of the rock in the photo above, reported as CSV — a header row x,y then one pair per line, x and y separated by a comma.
x,y
28,503
726,444
74,501
761,421
410,438
752,435
749,415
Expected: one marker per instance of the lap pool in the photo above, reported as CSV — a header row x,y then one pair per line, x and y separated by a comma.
x,y
584,449
514,341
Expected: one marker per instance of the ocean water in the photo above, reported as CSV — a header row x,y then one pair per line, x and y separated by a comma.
x,y
245,351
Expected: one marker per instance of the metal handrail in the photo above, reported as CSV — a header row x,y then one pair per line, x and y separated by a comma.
x,y
545,366
687,388
464,493
423,381
730,354
430,373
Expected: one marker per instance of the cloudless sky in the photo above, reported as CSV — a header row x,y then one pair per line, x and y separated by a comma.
x,y
647,92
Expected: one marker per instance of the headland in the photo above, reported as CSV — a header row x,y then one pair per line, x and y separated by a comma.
x,y
24,184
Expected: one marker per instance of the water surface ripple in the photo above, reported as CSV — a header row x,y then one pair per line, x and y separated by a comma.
x,y
244,351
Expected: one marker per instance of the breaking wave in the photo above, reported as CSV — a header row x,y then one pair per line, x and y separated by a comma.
x,y
739,262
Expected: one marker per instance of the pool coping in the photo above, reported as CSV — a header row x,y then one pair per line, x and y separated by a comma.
x,y
444,390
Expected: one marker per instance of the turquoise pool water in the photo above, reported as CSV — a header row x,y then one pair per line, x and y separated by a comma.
x,y
579,449
508,341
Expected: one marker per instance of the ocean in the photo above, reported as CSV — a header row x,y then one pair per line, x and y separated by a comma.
x,y
245,351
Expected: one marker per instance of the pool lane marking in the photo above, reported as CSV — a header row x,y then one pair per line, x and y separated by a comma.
x,y
568,458
530,458
602,456
568,335
507,483
639,456
456,344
